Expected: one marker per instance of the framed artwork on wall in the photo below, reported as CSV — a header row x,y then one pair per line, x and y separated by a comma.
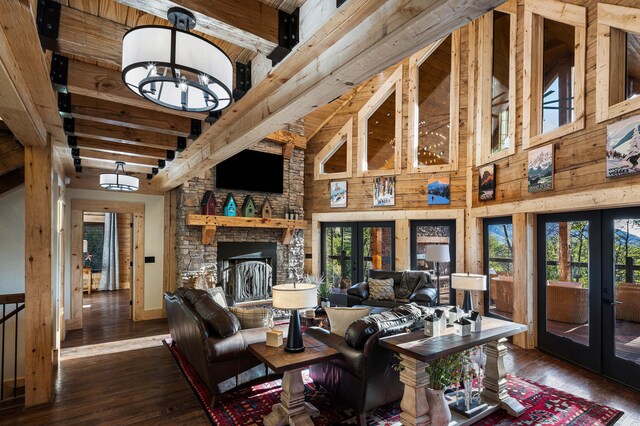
x,y
384,191
623,147
338,194
540,169
438,190
487,182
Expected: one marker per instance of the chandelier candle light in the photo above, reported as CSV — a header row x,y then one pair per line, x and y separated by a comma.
x,y
294,297
118,180
174,68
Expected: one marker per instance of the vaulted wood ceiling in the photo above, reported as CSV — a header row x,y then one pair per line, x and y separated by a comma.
x,y
112,123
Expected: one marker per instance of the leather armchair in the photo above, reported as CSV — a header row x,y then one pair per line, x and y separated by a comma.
x,y
222,363
425,296
357,293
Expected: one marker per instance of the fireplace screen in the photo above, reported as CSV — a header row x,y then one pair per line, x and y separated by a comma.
x,y
247,279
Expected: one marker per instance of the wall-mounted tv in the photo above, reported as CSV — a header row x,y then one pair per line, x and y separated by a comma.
x,y
251,171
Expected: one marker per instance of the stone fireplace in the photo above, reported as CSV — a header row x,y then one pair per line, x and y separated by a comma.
x,y
207,265
247,271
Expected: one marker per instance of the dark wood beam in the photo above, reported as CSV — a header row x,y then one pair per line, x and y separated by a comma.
x,y
112,113
118,148
103,83
110,133
247,23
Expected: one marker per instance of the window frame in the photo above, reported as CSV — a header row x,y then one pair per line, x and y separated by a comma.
x,y
394,82
484,85
344,136
415,61
610,18
535,11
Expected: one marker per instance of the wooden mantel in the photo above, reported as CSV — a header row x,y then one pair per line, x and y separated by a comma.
x,y
210,223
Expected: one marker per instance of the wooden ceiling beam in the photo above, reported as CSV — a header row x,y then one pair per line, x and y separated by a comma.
x,y
287,137
90,178
109,165
118,148
101,111
103,83
358,41
11,180
111,158
110,133
246,23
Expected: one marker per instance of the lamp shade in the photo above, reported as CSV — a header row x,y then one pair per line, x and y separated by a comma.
x,y
437,253
294,296
469,282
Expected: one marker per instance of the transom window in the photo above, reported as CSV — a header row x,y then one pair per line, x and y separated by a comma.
x,y
334,160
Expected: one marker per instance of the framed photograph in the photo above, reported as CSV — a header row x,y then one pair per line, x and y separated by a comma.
x,y
338,191
623,147
487,182
438,190
540,169
384,191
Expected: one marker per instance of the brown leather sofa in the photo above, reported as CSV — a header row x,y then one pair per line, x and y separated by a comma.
x,y
425,293
222,363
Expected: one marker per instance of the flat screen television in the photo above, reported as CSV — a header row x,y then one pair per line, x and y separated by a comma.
x,y
251,171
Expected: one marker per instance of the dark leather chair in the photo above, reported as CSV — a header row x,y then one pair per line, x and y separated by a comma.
x,y
222,363
362,379
425,295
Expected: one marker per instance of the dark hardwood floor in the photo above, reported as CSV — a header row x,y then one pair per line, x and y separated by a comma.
x,y
120,373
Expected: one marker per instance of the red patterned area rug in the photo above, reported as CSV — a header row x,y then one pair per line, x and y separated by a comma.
x,y
248,406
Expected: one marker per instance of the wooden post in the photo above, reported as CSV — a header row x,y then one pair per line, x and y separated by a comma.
x,y
376,248
524,277
39,316
564,266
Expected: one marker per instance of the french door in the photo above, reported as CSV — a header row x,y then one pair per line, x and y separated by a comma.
x,y
435,232
589,291
498,266
351,249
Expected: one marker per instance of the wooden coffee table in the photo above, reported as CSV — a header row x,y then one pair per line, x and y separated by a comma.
x,y
292,409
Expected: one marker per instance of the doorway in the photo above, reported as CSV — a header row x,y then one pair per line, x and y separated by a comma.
x,y
498,267
351,249
107,271
588,291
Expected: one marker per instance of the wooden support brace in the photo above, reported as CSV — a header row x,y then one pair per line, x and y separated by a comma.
x,y
208,235
287,151
287,235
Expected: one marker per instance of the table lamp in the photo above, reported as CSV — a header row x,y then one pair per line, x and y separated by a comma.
x,y
468,282
437,253
294,297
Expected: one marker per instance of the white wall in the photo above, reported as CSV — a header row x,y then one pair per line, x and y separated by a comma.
x,y
12,270
153,240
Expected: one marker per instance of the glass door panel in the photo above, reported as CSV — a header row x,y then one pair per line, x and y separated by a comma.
x,y
337,254
432,232
377,247
569,286
498,266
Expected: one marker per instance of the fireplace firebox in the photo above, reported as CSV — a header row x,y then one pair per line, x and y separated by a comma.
x,y
247,271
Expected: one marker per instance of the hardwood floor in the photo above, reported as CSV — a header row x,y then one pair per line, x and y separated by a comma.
x,y
126,376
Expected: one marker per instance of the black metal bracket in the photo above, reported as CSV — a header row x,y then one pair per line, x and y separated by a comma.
x,y
77,162
154,170
69,126
149,176
243,80
171,155
288,35
75,152
182,144
213,117
340,2
78,169
59,72
64,104
196,129
161,164
72,141
48,23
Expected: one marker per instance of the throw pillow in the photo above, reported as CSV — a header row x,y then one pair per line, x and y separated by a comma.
x,y
381,289
217,294
192,294
253,317
341,318
219,320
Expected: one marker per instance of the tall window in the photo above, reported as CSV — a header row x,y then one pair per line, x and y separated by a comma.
x,y
433,106
554,70
618,63
495,113
498,266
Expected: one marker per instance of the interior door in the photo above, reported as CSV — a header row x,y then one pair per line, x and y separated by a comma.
x,y
621,295
569,314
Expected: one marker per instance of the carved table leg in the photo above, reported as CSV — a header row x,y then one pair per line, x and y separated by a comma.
x,y
414,399
495,381
292,409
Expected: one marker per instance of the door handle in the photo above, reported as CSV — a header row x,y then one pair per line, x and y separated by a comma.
x,y
611,303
